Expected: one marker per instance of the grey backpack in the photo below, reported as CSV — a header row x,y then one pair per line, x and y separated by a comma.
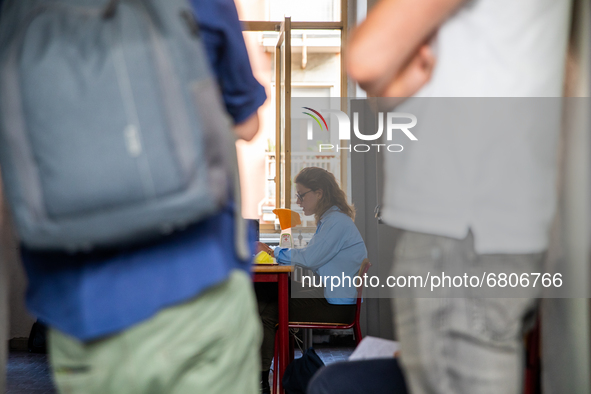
x,y
112,128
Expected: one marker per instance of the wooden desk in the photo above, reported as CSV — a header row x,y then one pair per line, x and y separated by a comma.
x,y
279,274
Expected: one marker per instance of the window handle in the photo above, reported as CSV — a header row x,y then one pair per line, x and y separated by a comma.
x,y
378,213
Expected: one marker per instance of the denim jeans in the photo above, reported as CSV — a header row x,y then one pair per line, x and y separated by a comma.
x,y
461,345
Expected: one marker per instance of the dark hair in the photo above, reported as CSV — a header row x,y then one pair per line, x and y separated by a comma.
x,y
315,178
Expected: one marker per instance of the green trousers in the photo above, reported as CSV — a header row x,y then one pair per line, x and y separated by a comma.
x,y
209,344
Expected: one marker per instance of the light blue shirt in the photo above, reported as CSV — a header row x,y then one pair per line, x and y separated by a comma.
x,y
336,249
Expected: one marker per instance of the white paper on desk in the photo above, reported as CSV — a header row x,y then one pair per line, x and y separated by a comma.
x,y
372,347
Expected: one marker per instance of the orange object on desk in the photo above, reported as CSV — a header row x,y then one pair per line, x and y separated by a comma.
x,y
287,218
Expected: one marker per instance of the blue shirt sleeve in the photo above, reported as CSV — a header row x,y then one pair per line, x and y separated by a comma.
x,y
328,241
282,255
222,35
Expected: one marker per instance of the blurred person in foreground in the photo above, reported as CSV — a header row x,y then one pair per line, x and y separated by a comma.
x,y
177,315
496,216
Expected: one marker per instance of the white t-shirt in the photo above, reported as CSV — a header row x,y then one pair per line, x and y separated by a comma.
x,y
500,184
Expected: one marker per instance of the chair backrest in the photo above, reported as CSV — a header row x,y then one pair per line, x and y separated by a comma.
x,y
365,265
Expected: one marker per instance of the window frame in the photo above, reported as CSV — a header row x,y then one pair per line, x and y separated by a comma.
x,y
282,27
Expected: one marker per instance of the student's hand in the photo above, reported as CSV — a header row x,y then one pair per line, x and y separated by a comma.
x,y
407,83
386,53
261,247
413,76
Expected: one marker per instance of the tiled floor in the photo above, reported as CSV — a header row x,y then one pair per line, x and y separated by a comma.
x,y
28,373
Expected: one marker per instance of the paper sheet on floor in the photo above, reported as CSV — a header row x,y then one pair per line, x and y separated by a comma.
x,y
372,347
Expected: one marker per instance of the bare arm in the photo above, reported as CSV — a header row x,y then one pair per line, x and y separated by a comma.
x,y
247,129
392,39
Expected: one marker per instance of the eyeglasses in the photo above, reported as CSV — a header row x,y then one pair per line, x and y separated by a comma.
x,y
300,197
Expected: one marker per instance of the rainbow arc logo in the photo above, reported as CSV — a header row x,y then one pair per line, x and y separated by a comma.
x,y
315,118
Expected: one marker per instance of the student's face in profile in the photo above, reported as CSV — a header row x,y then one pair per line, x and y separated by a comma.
x,y
307,199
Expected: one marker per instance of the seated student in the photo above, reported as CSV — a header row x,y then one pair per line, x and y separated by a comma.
x,y
335,249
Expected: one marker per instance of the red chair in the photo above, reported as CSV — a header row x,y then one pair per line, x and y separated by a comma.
x,y
365,265
341,326
532,381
